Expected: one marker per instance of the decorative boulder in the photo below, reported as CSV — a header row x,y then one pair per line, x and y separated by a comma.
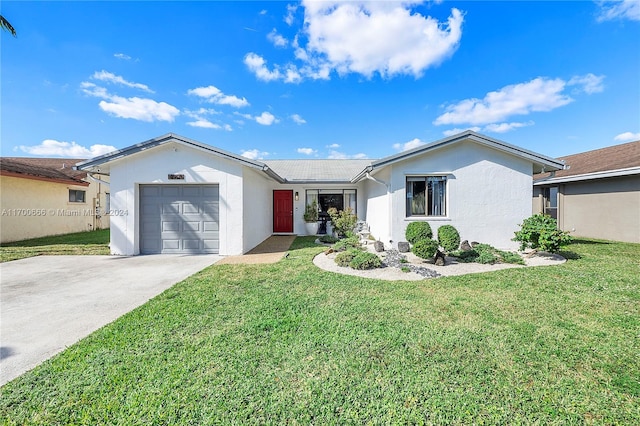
x,y
439,258
403,247
378,246
465,246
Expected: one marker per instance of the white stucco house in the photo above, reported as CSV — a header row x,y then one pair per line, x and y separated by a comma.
x,y
172,194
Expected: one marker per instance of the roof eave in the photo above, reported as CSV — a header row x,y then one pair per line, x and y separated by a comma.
x,y
171,137
549,163
589,176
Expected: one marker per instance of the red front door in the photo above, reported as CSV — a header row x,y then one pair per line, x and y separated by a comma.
x,y
282,211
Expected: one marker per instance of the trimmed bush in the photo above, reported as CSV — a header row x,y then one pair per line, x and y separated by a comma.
x,y
449,238
346,244
365,260
541,232
425,249
417,231
328,239
344,221
345,257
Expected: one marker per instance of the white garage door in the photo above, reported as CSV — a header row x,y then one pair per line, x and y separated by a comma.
x,y
179,219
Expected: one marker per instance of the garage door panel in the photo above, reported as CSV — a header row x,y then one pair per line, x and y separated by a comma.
x,y
151,245
191,227
211,209
170,244
170,190
212,245
171,208
179,219
171,226
190,208
192,191
210,226
150,191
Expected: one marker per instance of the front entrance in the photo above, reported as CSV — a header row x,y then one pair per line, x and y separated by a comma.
x,y
282,211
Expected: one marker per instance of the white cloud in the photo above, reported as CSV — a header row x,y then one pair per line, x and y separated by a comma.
x,y
625,9
258,66
335,155
266,119
413,143
291,10
122,56
505,127
214,95
627,137
539,94
136,108
333,146
201,121
263,12
383,37
116,79
54,148
306,151
297,119
364,37
254,154
491,128
277,39
589,83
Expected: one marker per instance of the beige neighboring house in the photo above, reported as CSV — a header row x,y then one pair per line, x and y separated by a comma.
x,y
597,197
45,196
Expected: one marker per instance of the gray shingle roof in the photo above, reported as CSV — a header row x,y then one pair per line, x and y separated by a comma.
x,y
317,170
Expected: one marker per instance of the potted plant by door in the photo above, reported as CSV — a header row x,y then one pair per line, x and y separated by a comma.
x,y
311,218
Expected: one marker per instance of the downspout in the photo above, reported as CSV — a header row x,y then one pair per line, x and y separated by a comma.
x,y
389,202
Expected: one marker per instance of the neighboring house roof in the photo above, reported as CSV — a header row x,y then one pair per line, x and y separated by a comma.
x,y
612,161
540,162
327,171
58,170
301,171
94,165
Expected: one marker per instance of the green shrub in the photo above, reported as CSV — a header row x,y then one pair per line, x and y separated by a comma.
x,y
541,232
328,239
365,260
345,257
311,212
425,249
449,238
486,257
417,231
344,221
486,254
347,243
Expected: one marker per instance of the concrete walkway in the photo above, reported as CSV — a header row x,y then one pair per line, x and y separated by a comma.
x,y
50,302
270,250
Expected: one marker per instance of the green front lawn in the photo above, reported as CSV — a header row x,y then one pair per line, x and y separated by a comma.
x,y
289,343
91,242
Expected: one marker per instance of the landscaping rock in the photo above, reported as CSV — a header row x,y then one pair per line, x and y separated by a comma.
x,y
378,246
394,259
403,247
465,246
439,259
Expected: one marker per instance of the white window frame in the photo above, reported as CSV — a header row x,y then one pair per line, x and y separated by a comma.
x,y
442,177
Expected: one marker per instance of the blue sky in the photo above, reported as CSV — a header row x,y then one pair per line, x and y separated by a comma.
x,y
280,80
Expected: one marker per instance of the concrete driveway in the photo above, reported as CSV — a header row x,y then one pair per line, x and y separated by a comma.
x,y
50,302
